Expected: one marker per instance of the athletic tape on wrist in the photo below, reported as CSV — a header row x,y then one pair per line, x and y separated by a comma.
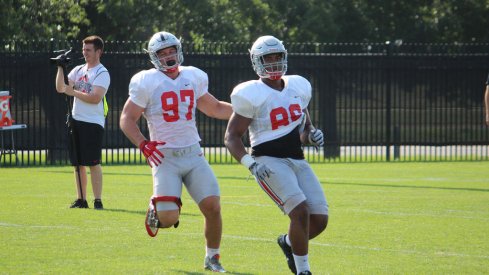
x,y
247,160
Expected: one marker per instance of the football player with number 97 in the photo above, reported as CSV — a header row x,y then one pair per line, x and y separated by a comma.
x,y
168,96
274,111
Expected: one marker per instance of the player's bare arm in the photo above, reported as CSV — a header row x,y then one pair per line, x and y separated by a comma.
x,y
212,107
311,135
307,128
128,122
237,127
486,100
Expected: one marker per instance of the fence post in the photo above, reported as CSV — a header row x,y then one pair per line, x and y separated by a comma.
x,y
397,142
389,48
332,143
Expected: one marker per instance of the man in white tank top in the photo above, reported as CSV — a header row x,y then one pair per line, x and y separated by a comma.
x,y
168,96
274,111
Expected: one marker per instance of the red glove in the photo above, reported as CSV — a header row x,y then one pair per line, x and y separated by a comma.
x,y
149,150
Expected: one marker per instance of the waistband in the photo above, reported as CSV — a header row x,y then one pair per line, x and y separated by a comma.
x,y
180,152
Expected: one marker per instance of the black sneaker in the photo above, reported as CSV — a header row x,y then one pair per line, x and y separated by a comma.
x,y
97,204
307,272
79,203
288,253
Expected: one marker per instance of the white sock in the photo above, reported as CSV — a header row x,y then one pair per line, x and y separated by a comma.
x,y
301,263
210,252
287,240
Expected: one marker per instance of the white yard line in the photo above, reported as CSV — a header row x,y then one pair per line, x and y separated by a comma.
x,y
34,226
314,243
436,215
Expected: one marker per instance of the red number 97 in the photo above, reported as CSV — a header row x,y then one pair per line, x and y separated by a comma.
x,y
169,104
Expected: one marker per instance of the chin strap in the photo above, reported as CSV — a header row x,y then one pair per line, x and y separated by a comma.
x,y
171,70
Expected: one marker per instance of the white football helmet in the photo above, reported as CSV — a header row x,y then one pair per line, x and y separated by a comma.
x,y
162,40
268,45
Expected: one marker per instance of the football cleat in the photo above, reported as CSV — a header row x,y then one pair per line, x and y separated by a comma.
x,y
213,264
151,223
306,272
288,253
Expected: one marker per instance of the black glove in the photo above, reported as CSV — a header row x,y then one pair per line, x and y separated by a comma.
x,y
62,59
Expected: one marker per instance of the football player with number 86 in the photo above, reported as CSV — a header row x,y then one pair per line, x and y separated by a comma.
x,y
168,96
274,111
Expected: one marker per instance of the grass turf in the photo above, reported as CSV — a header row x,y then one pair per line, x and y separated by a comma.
x,y
385,218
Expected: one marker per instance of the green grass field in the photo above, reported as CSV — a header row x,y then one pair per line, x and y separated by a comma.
x,y
385,218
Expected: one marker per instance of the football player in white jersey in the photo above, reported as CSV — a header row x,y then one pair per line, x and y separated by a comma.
x,y
168,96
274,111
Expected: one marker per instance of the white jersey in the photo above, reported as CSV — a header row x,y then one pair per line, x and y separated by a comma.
x,y
274,113
85,79
170,104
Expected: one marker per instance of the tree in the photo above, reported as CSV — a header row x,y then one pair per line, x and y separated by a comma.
x,y
41,20
244,20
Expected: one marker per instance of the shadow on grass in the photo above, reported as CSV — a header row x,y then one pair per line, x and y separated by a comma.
x,y
244,177
237,178
199,273
409,186
141,212
105,173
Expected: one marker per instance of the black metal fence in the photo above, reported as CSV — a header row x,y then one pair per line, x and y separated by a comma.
x,y
375,102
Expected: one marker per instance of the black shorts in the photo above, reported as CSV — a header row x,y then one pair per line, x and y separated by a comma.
x,y
87,138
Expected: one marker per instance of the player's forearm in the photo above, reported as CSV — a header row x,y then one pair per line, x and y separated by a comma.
x,y
486,104
224,111
304,136
131,130
235,146
486,100
220,110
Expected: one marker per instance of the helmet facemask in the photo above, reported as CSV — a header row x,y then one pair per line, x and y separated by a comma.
x,y
163,40
275,69
264,46
168,63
